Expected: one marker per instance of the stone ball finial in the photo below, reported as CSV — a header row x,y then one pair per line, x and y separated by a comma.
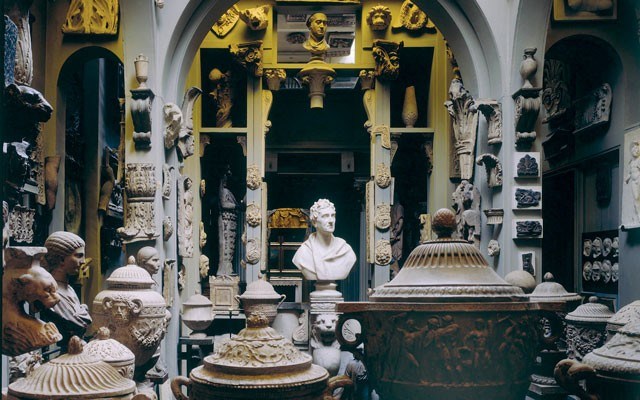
x,y
103,333
593,299
548,277
75,346
444,223
59,245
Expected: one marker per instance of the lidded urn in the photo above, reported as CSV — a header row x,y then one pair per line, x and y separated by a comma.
x,y
197,314
112,352
135,314
75,375
258,363
261,297
586,328
628,313
447,308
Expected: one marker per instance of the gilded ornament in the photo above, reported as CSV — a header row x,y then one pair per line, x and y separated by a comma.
x,y
379,17
92,17
412,18
383,252
383,216
387,59
383,175
256,18
227,21
249,56
254,217
253,177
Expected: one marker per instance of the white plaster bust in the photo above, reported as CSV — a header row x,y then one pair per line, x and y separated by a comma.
x,y
324,257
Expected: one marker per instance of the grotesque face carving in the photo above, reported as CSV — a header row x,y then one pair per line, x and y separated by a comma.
x,y
324,329
122,309
256,18
379,17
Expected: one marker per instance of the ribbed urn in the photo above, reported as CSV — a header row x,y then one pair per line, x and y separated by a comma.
x,y
135,314
258,363
112,352
628,313
446,327
75,375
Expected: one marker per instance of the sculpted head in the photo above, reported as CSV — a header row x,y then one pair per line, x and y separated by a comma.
x,y
148,259
379,17
323,216
317,24
65,252
37,286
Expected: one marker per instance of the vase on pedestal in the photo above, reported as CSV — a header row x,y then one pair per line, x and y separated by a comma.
x,y
410,107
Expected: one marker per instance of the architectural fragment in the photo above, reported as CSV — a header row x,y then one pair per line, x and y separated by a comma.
x,y
274,78
592,110
556,98
21,221
412,18
464,113
249,56
527,100
92,17
256,18
528,165
185,217
28,109
173,124
527,198
383,216
466,203
383,175
141,103
528,229
253,177
140,188
227,228
168,280
222,93
167,228
492,111
18,13
186,144
227,21
224,293
10,41
253,251
379,17
316,75
494,216
493,168
383,252
493,248
204,266
253,215
387,58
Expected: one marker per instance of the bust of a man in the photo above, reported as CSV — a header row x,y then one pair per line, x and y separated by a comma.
x,y
324,257
316,44
65,256
148,259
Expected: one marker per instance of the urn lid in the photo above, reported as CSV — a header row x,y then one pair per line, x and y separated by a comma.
x,y
258,356
550,290
260,289
446,269
619,356
107,349
591,312
76,375
628,313
197,300
130,276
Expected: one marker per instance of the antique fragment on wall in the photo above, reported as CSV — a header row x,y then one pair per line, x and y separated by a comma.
x,y
140,188
92,17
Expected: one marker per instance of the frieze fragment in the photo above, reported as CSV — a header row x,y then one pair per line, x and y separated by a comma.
x,y
227,22
528,166
528,229
527,198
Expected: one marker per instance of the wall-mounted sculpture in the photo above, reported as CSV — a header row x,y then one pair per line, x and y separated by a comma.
x,y
412,18
527,229
107,181
141,103
556,98
383,217
253,177
91,17
202,236
316,74
387,58
527,198
186,144
379,17
10,42
493,168
409,107
316,44
28,109
167,228
173,122
140,187
253,251
464,113
25,281
168,280
592,110
18,12
324,344
21,221
17,161
274,78
466,203
253,215
527,100
383,252
495,216
383,175
167,181
492,111
222,93
204,266
527,166
256,18
227,227
493,248
185,217
227,22
249,56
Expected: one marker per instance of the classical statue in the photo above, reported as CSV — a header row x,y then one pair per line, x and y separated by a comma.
x,y
148,259
227,227
633,176
65,256
316,44
322,256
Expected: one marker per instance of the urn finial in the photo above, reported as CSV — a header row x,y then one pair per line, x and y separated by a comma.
x,y
444,223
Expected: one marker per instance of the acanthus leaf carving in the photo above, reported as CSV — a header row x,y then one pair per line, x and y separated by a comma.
x,y
492,111
387,58
92,17
464,113
493,168
140,188
249,56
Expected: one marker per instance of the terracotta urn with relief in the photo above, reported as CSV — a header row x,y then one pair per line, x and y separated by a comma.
x,y
261,297
135,314
586,328
258,363
449,309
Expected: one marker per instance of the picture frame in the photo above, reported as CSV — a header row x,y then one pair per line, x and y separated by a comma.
x,y
587,11
599,261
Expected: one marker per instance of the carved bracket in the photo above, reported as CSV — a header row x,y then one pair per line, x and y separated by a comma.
x,y
186,142
493,167
385,54
464,113
140,188
249,56
492,111
141,103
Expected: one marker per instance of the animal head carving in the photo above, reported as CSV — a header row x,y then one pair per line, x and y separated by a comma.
x,y
256,18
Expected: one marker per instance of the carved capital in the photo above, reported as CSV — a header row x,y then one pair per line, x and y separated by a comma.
x,y
492,112
493,168
140,188
385,54
21,221
274,78
367,79
464,113
249,56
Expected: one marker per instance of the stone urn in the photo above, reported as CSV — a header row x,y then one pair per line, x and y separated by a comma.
x,y
410,107
446,308
76,375
197,314
612,372
258,363
112,352
586,328
135,314
628,313
261,297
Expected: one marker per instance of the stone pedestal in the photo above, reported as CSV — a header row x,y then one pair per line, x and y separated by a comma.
x,y
323,344
223,292
316,74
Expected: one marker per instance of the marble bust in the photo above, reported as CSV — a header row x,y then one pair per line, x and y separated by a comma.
x,y
148,259
324,257
64,257
316,44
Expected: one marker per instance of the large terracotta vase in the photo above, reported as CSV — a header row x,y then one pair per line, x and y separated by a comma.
x,y
135,314
446,327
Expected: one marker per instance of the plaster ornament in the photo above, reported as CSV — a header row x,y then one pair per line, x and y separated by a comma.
x,y
141,103
412,18
528,228
18,168
464,114
91,17
227,22
159,3
135,314
288,218
383,175
253,251
167,228
173,122
527,166
396,236
223,292
36,160
383,216
492,111
528,67
256,18
197,314
393,149
182,278
383,252
112,352
148,259
168,281
202,235
386,56
324,344
379,17
25,281
385,135
296,38
167,181
527,198
493,168
592,110
203,188
494,216
29,108
274,78
324,257
316,75
467,203
18,12
527,100
23,365
10,41
586,328
493,248
267,102
301,333
140,187
107,181
21,221
249,56
185,217
227,228
261,298
222,93
556,98
186,144
253,177
204,266
367,78
253,215
410,107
